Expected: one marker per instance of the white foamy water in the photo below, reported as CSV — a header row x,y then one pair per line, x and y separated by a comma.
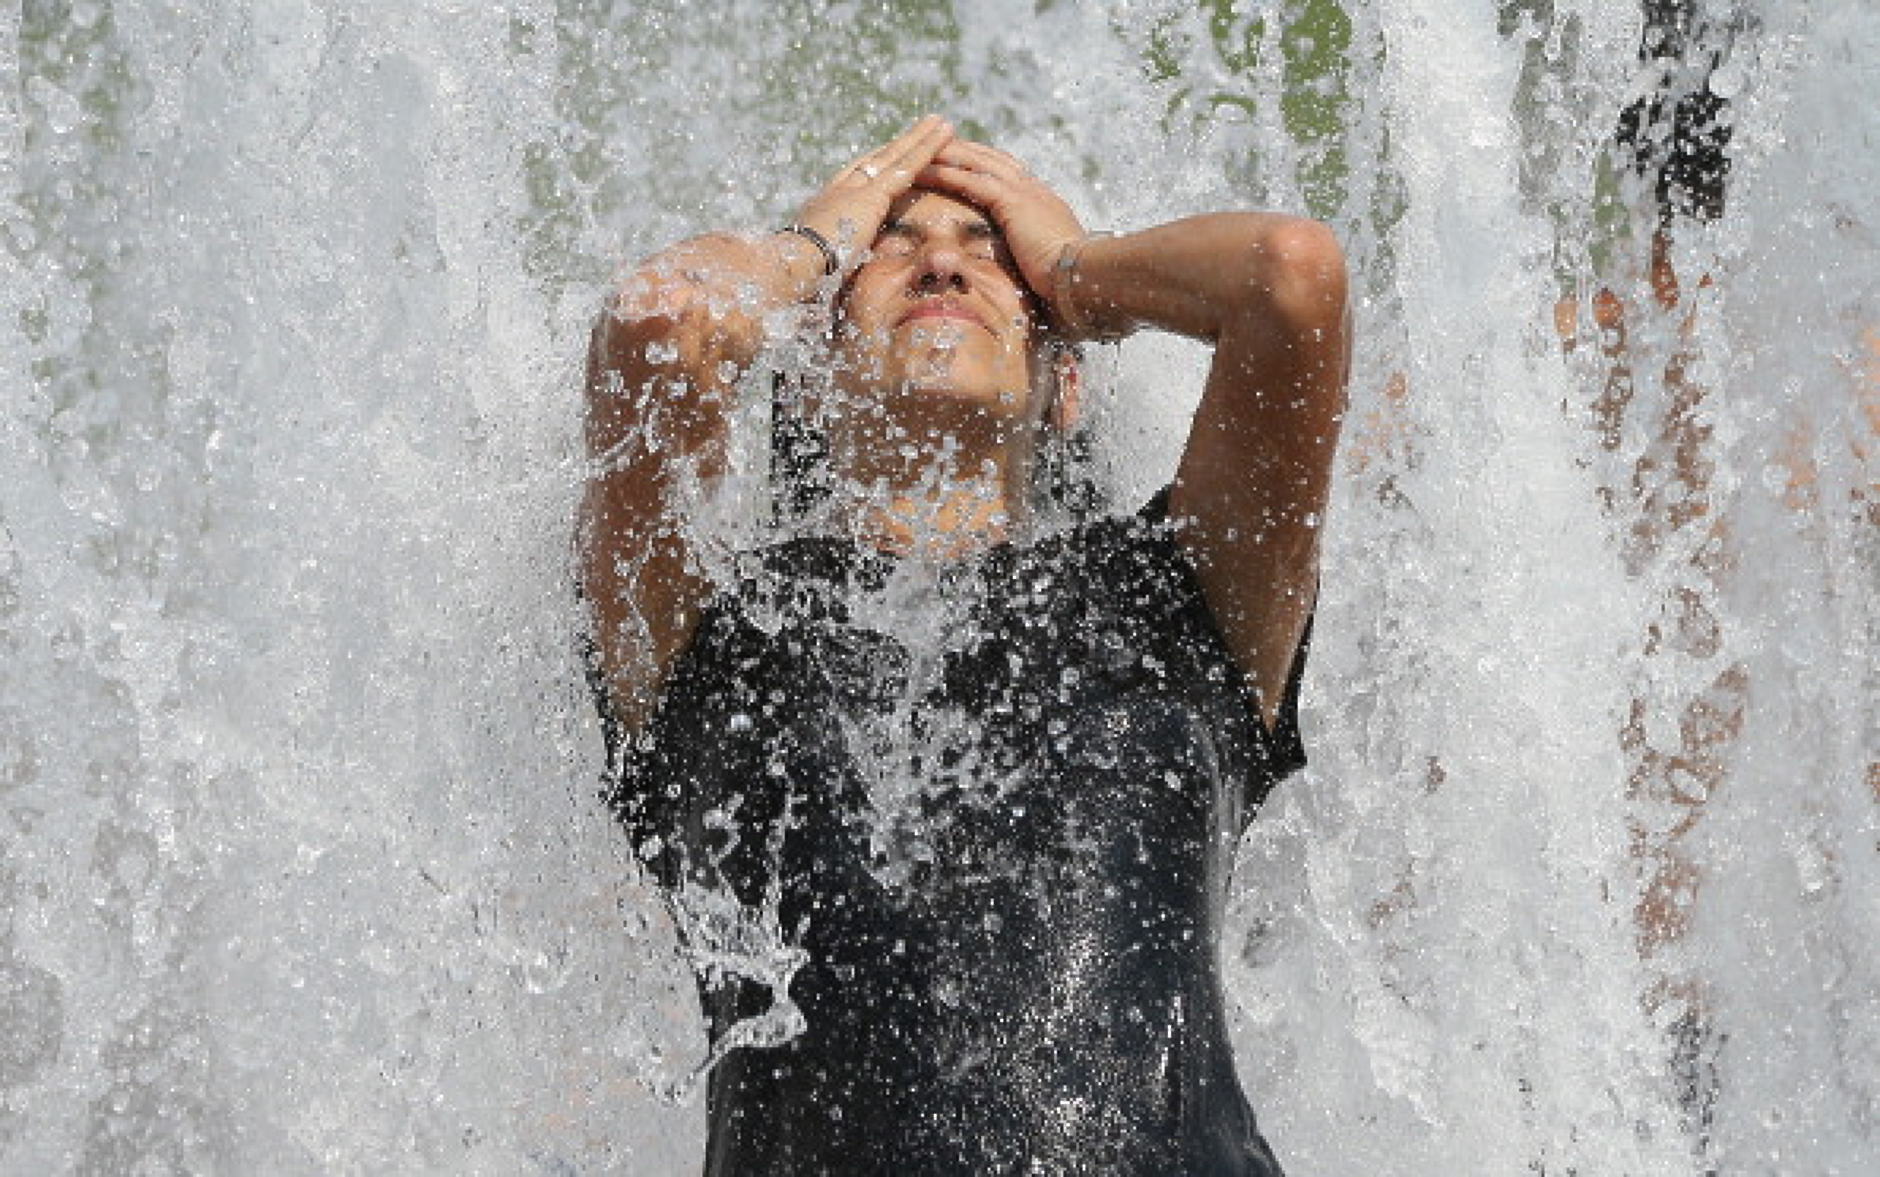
x,y
304,869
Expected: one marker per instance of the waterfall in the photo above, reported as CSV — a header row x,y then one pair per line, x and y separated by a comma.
x,y
304,866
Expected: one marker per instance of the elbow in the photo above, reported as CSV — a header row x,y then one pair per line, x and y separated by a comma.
x,y
1292,328
656,303
667,330
678,297
655,328
652,325
1299,275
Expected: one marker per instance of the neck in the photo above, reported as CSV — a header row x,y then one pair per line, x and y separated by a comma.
x,y
938,489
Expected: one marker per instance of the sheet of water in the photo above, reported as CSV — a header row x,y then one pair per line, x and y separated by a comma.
x,y
303,868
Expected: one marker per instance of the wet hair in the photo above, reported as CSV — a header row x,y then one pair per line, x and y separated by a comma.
x,y
1064,475
1678,134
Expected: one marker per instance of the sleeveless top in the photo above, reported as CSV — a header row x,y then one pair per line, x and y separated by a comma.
x,y
1002,850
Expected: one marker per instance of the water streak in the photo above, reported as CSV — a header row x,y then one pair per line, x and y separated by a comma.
x,y
303,866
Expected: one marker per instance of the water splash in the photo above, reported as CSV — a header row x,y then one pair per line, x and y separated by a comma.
x,y
303,869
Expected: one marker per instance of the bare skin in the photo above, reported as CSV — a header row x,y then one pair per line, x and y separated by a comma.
x,y
1710,722
943,360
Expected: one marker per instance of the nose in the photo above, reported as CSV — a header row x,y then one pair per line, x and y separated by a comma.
x,y
942,267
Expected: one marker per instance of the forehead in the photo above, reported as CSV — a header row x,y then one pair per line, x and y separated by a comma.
x,y
923,209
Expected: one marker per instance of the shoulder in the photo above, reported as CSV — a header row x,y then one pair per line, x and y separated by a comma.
x,y
1126,563
1116,576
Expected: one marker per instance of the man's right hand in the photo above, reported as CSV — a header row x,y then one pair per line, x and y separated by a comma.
x,y
850,209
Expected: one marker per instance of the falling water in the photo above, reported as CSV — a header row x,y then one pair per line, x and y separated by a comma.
x,y
304,869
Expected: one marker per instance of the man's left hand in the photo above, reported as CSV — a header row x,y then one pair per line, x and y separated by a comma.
x,y
1035,220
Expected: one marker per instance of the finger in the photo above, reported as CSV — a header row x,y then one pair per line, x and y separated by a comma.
x,y
981,188
915,152
921,128
1011,160
918,129
979,157
996,158
919,140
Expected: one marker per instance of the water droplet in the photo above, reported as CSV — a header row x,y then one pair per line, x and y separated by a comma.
x,y
63,112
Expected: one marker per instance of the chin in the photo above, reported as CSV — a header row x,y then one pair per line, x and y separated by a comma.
x,y
991,398
959,377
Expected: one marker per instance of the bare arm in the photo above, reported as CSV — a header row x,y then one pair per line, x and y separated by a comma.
x,y
662,363
1269,292
679,333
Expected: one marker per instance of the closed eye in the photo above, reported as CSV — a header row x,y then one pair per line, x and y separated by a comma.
x,y
978,239
896,240
982,240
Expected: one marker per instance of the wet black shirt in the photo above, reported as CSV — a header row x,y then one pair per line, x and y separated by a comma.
x,y
1002,841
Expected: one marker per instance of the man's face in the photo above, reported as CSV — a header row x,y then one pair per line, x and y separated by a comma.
x,y
938,314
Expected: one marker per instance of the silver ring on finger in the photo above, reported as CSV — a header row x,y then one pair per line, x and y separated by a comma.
x,y
869,170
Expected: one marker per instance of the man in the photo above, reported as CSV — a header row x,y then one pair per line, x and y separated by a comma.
x,y
1003,849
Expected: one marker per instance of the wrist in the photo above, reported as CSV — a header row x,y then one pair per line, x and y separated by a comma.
x,y
1080,311
807,259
